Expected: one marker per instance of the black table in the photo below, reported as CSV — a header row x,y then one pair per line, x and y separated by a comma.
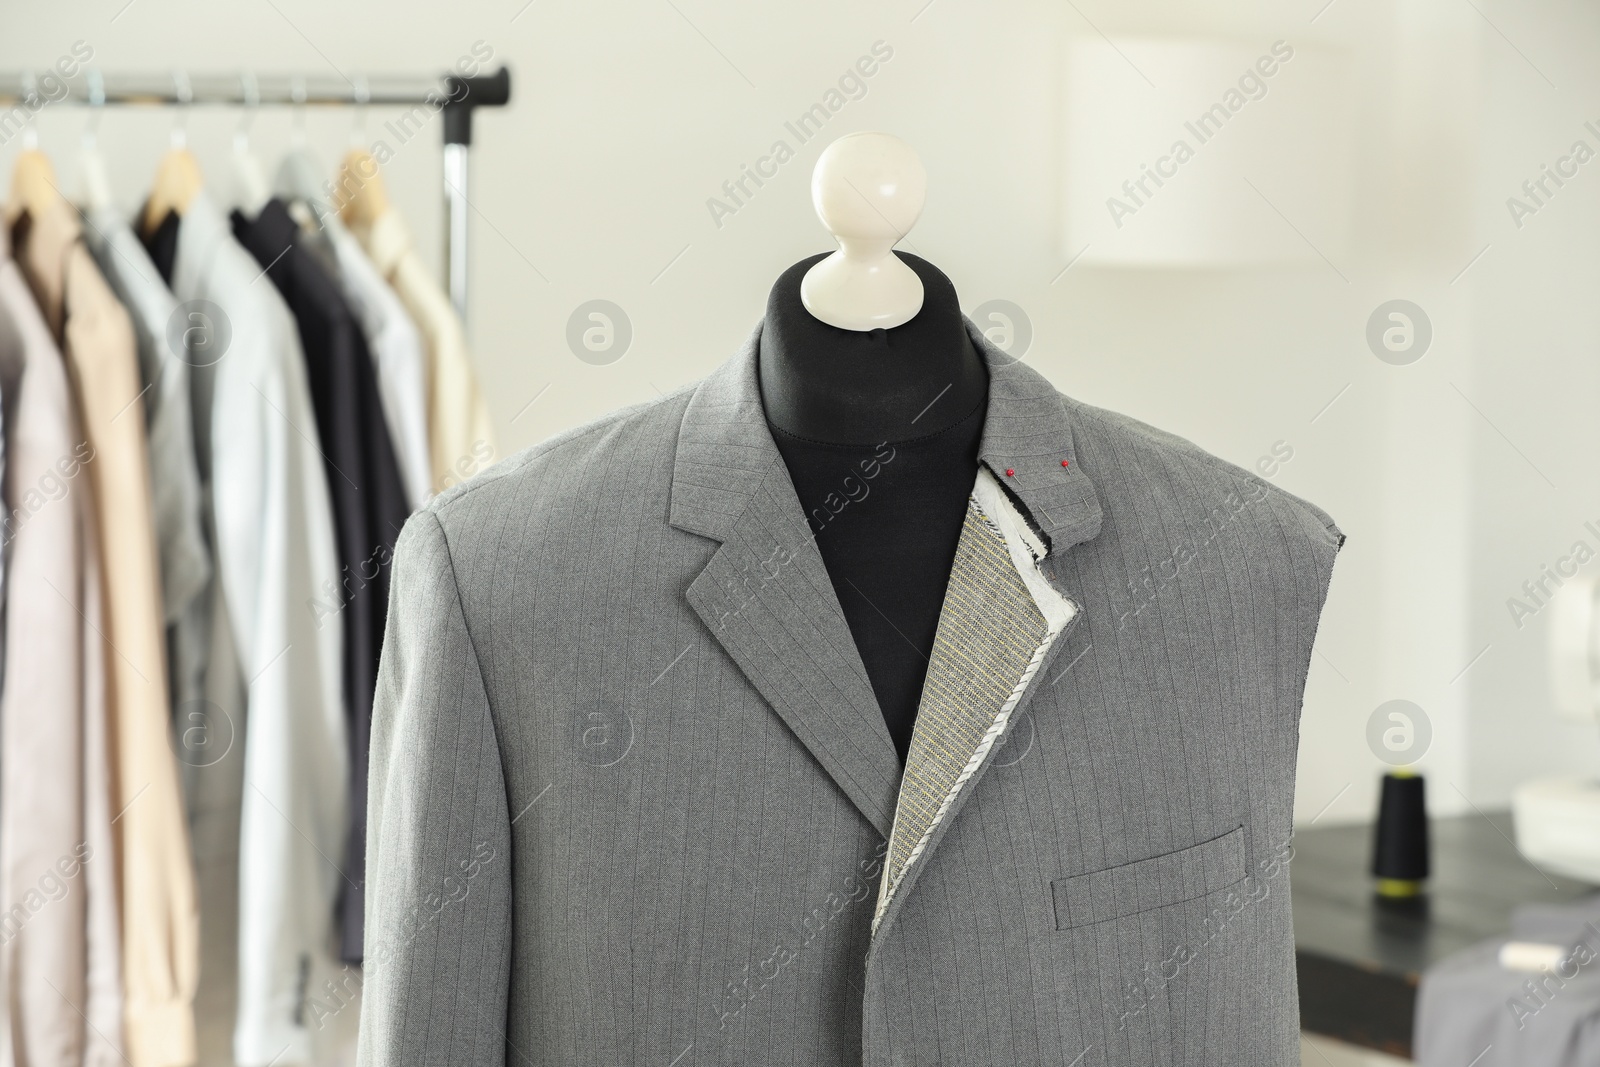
x,y
1360,958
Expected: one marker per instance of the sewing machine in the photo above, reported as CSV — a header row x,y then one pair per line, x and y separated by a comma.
x,y
1557,820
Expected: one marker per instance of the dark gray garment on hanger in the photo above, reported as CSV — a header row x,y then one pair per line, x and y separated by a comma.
x,y
369,501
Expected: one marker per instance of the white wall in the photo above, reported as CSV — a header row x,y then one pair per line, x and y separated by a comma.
x,y
1538,328
628,116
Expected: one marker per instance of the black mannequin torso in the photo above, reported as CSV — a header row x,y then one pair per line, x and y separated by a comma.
x,y
880,434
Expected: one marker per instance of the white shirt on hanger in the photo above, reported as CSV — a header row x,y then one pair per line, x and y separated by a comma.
x,y
275,561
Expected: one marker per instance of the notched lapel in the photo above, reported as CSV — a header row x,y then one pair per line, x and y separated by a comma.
x,y
765,594
766,597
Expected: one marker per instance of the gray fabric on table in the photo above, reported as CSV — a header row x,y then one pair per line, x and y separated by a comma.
x,y
1557,924
1471,1010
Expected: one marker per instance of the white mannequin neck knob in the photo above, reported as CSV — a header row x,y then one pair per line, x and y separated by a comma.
x,y
868,189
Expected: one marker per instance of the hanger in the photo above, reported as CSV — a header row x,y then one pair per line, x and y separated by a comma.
x,y
361,193
295,183
250,181
358,189
178,178
91,161
34,188
298,179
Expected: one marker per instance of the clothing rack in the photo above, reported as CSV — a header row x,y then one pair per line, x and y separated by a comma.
x,y
455,97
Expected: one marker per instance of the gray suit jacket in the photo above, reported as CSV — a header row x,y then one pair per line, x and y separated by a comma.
x,y
633,801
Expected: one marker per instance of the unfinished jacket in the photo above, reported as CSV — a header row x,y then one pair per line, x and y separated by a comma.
x,y
633,800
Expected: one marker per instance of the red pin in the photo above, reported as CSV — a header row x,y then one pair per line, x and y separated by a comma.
x,y
1010,473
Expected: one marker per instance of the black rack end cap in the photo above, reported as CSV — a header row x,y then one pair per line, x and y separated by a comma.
x,y
464,95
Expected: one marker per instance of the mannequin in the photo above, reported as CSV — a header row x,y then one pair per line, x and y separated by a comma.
x,y
878,425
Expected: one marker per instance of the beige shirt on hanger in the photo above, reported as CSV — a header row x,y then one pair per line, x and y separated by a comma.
x,y
59,952
160,917
460,434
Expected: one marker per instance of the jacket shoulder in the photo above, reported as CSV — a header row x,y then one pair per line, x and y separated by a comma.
x,y
626,455
1124,450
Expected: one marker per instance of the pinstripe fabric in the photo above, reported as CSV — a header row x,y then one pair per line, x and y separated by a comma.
x,y
1126,890
632,796
992,636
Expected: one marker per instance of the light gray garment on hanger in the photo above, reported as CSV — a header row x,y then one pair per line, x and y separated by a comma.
x,y
174,477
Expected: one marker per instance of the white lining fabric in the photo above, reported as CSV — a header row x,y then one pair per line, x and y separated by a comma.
x,y
1026,550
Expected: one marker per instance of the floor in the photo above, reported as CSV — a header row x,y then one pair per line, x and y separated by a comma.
x,y
1325,1052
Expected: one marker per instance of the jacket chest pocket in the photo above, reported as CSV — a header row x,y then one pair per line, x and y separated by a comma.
x,y
1170,878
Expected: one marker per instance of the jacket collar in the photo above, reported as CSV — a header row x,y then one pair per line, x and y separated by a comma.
x,y
725,449
765,593
1027,432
